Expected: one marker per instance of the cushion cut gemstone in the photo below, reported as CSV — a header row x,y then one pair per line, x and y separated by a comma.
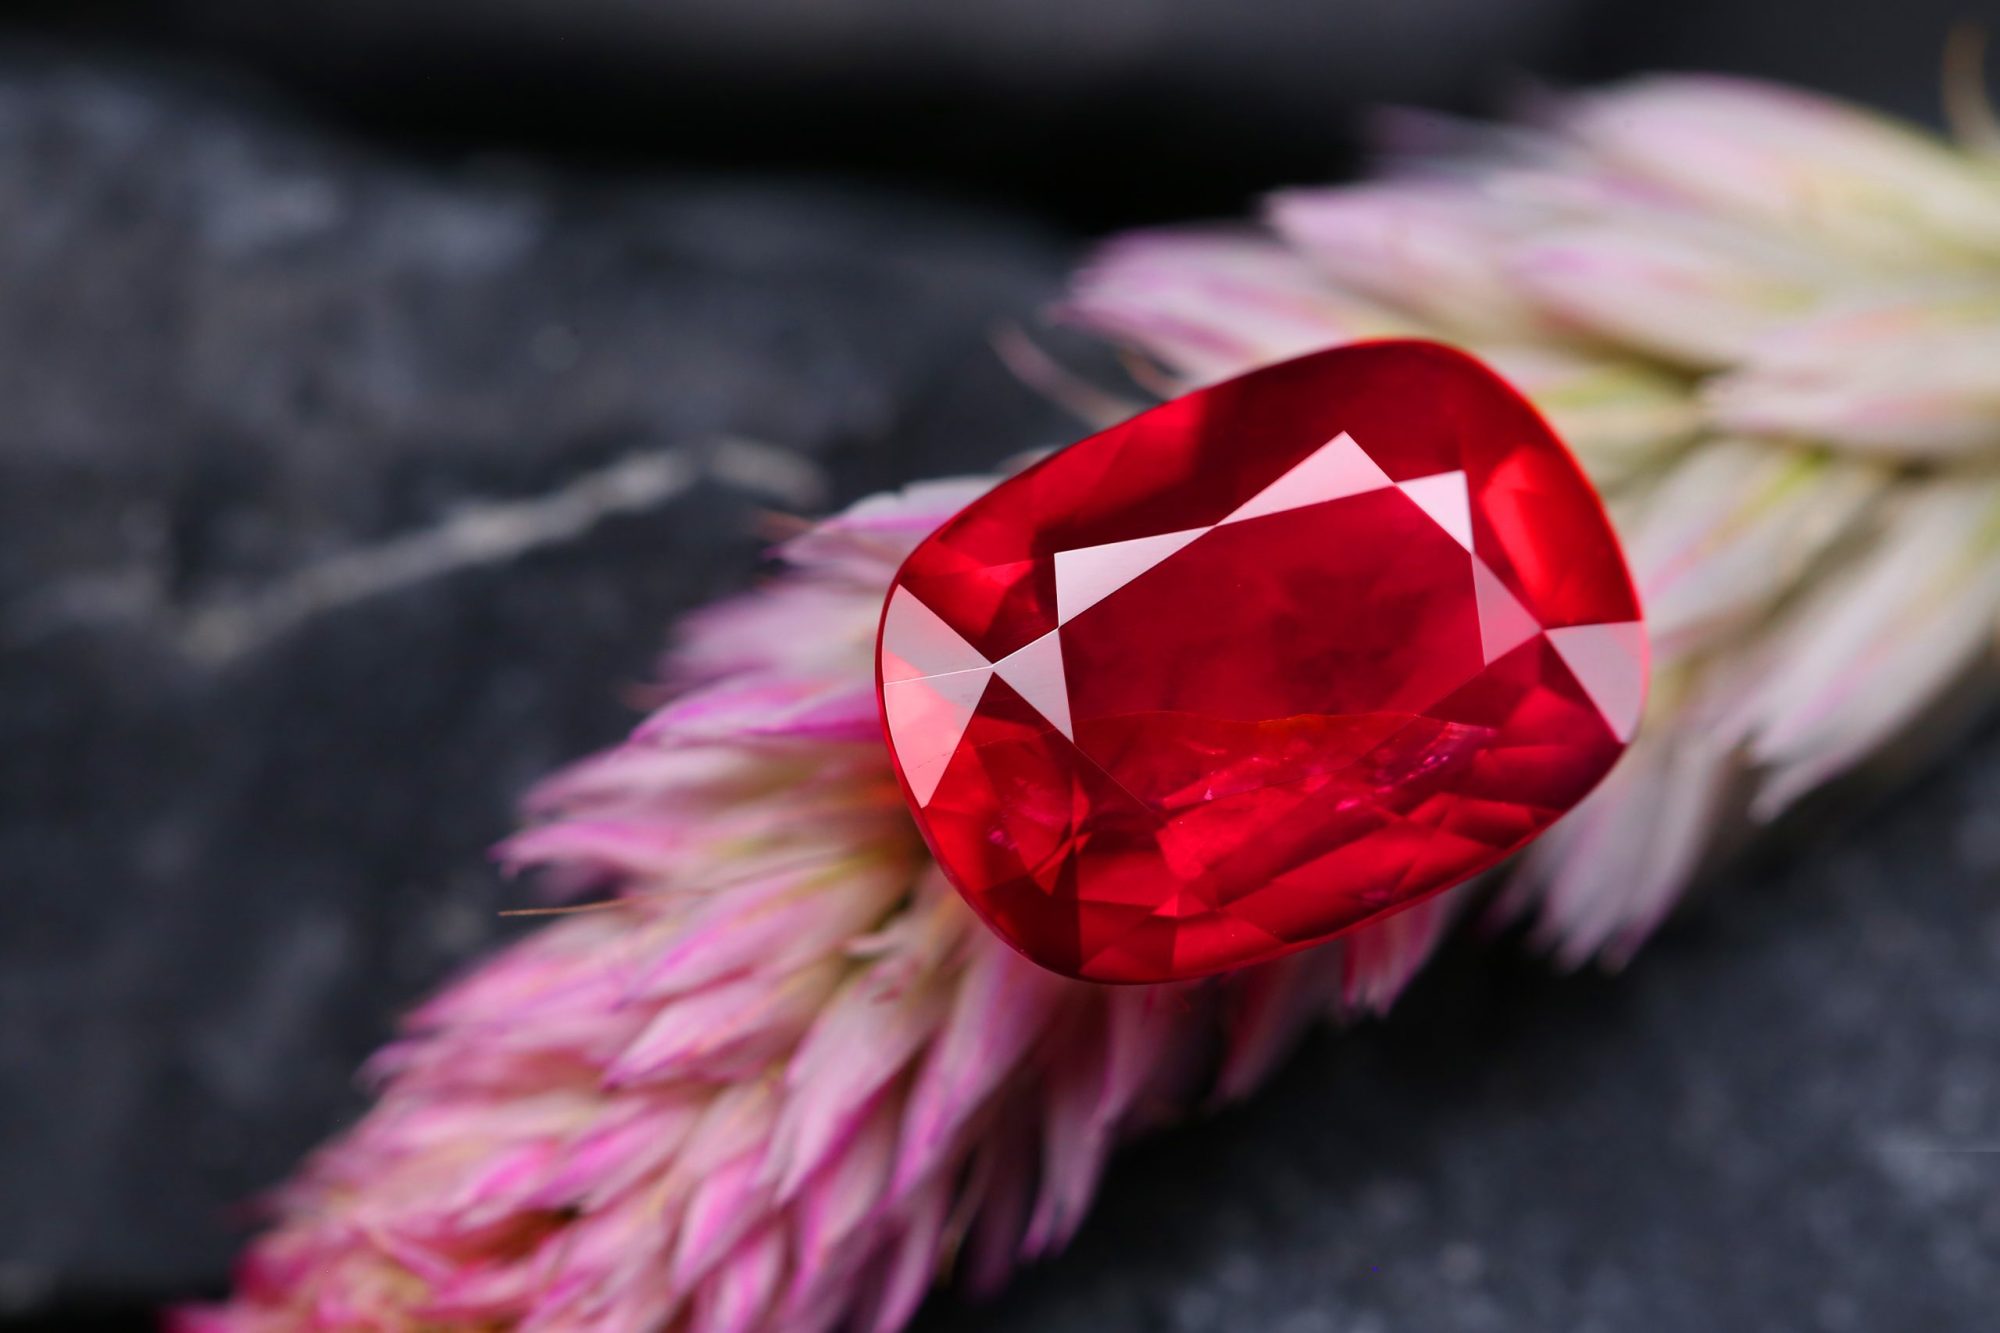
x,y
1262,664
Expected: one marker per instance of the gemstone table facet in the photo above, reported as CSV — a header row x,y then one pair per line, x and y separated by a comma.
x,y
1262,664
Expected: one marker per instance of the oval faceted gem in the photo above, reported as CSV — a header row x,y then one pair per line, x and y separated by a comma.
x,y
1261,664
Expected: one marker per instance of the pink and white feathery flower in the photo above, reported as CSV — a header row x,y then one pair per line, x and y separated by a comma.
x,y
786,1079
780,1078
1769,325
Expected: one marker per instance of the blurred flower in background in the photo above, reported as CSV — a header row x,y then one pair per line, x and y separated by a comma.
x,y
781,1079
1769,325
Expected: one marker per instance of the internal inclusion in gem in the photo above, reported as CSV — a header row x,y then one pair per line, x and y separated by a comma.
x,y
1260,665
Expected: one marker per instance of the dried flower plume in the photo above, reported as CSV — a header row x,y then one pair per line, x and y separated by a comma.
x,y
1769,324
785,1081
788,1074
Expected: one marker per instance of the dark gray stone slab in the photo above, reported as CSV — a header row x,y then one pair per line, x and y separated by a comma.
x,y
266,695
339,500
1784,1117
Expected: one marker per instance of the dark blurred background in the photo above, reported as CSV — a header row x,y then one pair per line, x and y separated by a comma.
x,y
1092,113
294,297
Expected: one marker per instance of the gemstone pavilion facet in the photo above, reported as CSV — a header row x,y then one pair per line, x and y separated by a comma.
x,y
1261,664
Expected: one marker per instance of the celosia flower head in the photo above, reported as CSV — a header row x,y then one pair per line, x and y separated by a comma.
x,y
782,1079
787,1079
1768,323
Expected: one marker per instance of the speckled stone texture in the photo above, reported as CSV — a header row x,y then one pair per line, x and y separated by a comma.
x,y
339,500
267,694
1784,1117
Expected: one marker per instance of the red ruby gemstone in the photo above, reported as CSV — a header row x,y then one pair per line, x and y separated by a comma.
x,y
1261,664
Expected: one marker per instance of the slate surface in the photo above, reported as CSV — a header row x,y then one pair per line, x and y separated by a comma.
x,y
266,694
1785,1117
268,687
